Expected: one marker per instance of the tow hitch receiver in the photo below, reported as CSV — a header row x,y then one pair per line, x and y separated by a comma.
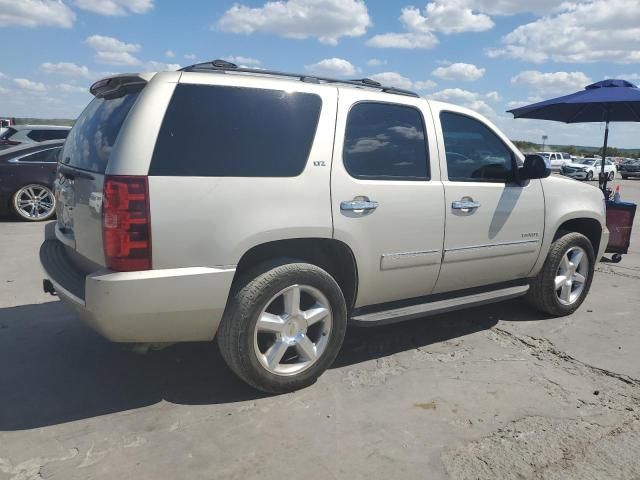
x,y
47,286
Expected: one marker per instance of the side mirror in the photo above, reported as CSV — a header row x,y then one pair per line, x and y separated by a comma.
x,y
534,167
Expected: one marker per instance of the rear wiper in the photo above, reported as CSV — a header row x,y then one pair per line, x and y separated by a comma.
x,y
71,172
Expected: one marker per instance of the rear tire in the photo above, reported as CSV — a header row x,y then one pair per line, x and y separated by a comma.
x,y
612,175
565,279
274,333
624,177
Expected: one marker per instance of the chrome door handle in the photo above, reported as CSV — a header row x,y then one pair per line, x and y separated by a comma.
x,y
359,205
465,205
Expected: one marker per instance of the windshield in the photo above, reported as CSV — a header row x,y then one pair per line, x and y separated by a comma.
x,y
545,155
94,134
586,162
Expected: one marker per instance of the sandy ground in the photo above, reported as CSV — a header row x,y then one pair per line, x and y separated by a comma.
x,y
497,392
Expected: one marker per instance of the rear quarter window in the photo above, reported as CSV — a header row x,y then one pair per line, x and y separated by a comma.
x,y
220,131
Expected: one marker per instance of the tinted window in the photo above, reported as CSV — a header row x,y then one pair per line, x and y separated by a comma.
x,y
49,155
474,152
385,141
92,137
236,132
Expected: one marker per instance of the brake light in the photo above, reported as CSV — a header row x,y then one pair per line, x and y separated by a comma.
x,y
126,223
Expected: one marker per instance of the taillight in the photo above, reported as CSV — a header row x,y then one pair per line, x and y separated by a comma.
x,y
126,223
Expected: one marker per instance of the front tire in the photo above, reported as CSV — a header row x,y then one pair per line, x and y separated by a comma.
x,y
283,326
565,279
612,175
34,203
589,176
624,177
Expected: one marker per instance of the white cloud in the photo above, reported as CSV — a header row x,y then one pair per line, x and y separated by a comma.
x,y
450,16
425,85
2,75
417,35
392,79
326,20
65,68
69,88
472,100
338,67
169,54
190,56
552,82
153,66
114,8
374,62
493,96
35,13
459,71
112,51
597,31
30,86
243,61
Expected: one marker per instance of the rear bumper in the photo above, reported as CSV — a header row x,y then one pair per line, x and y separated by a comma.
x,y
170,305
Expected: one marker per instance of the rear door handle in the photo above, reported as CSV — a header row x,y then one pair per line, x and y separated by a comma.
x,y
359,205
465,205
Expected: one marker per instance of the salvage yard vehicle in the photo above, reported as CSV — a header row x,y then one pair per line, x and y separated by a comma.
x,y
269,210
588,169
21,134
27,173
630,168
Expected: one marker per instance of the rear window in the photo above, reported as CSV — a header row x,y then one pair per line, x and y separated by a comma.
x,y
92,137
235,132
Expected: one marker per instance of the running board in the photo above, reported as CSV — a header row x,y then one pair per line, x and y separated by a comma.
x,y
439,306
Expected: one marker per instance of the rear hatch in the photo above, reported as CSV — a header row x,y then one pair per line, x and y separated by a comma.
x,y
84,161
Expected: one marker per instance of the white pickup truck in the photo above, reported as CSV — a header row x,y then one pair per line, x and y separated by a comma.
x,y
269,210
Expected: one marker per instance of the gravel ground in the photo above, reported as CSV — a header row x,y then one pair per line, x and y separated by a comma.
x,y
497,392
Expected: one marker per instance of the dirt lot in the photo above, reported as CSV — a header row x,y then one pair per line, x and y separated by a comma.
x,y
498,392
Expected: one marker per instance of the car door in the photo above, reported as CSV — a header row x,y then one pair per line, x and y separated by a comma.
x,y
387,198
494,225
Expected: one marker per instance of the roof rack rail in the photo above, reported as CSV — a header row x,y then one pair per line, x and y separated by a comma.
x,y
225,66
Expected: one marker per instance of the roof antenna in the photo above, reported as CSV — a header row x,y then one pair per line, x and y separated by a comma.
x,y
223,64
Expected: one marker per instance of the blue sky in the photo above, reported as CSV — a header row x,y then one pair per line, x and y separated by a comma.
x,y
489,55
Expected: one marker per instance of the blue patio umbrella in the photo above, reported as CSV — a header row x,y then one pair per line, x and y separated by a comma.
x,y
605,101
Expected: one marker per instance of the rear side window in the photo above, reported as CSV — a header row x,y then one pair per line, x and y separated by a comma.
x,y
215,131
385,141
94,134
49,156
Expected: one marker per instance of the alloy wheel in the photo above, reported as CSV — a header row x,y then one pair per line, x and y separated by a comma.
x,y
571,276
292,331
34,202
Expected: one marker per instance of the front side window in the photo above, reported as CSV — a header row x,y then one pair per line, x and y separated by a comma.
x,y
385,141
474,152
219,131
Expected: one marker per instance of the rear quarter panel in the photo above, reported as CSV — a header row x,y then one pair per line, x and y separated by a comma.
x,y
213,221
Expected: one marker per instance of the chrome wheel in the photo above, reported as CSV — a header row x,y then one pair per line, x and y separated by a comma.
x,y
292,332
571,276
34,202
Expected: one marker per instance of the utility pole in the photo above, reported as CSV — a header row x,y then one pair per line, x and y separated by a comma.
x,y
544,140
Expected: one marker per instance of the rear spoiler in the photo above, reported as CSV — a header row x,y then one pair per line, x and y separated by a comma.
x,y
119,84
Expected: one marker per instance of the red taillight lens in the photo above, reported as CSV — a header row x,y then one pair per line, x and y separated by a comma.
x,y
126,223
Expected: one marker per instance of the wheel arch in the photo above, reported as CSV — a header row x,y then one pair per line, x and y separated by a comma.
x,y
329,254
589,227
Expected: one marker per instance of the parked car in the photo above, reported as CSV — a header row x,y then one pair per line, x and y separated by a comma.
x,y
555,159
19,134
27,173
588,169
630,168
5,123
269,210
